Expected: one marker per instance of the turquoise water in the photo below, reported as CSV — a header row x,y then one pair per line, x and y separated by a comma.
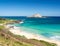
x,y
47,27
46,30
52,28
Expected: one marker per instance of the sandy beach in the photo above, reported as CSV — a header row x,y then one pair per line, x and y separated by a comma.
x,y
17,31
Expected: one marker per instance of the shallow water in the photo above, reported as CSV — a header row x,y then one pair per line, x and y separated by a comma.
x,y
48,27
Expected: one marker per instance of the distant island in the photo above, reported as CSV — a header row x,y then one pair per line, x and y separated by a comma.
x,y
36,16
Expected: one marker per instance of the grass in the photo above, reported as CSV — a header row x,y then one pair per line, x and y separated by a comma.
x,y
10,42
1,27
5,21
45,43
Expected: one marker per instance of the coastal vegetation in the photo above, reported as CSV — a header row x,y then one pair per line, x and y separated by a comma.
x,y
9,39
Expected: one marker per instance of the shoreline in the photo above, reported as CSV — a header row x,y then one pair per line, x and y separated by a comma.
x,y
17,31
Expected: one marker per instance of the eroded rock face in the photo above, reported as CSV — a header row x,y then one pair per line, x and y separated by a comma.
x,y
36,15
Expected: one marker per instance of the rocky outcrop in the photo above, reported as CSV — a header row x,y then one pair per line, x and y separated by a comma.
x,y
36,16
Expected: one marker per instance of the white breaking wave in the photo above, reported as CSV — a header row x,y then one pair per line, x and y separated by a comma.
x,y
55,38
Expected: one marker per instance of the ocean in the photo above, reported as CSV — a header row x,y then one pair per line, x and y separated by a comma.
x,y
48,27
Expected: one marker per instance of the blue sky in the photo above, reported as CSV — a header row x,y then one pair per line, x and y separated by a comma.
x,y
29,7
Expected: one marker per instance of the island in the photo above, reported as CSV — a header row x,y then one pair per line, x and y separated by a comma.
x,y
36,16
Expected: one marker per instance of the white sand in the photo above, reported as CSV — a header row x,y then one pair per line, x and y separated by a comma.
x,y
17,31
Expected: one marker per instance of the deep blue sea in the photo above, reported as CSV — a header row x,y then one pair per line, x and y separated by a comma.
x,y
47,27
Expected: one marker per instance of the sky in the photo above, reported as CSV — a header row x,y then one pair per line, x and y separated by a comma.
x,y
29,7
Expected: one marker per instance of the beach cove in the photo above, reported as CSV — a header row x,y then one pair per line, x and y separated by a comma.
x,y
37,28
17,31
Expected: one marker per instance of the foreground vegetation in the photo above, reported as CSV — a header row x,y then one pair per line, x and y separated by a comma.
x,y
9,39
